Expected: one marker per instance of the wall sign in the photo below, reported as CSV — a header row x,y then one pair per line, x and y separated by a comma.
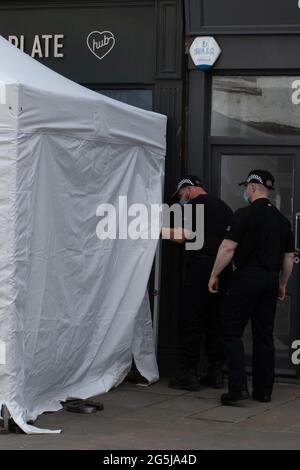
x,y
100,43
42,46
204,52
96,47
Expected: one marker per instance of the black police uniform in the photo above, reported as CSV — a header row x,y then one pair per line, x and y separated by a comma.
x,y
200,310
263,235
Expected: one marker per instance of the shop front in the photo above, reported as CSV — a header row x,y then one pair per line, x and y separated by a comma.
x,y
244,113
240,113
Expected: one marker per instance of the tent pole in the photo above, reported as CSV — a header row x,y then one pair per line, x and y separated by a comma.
x,y
6,416
157,277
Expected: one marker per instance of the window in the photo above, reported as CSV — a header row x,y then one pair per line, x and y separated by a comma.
x,y
252,106
235,168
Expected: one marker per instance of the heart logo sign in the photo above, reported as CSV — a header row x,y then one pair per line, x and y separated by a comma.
x,y
100,43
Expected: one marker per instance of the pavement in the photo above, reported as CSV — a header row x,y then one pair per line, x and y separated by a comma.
x,y
156,417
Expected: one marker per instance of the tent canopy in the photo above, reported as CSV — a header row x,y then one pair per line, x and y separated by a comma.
x,y
73,308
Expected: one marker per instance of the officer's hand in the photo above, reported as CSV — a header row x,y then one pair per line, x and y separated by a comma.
x,y
281,292
213,285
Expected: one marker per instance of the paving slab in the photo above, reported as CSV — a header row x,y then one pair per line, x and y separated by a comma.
x,y
160,387
187,404
283,418
230,414
131,398
246,439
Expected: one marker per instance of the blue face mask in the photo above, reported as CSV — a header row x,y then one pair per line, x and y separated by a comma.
x,y
245,197
182,202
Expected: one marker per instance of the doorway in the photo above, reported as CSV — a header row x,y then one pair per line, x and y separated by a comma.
x,y
230,165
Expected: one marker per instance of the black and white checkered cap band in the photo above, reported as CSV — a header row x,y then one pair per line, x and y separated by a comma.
x,y
184,181
255,177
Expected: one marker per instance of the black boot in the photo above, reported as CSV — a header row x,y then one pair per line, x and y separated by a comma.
x,y
215,376
185,381
264,398
232,398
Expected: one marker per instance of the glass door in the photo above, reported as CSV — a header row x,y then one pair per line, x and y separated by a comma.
x,y
230,165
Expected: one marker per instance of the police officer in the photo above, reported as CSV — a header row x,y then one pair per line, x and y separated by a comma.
x,y
261,244
200,311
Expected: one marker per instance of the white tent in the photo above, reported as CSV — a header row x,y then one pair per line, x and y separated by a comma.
x,y
73,309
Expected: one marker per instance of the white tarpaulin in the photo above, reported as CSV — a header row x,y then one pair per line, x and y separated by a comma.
x,y
73,310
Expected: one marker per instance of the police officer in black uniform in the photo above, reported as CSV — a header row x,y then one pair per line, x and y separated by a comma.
x,y
200,311
261,244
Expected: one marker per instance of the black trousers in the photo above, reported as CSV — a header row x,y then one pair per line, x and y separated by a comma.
x,y
200,314
252,294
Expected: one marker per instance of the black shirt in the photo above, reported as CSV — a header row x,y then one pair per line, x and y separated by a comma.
x,y
263,235
217,217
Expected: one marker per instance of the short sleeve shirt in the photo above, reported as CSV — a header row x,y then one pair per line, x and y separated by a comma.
x,y
263,235
217,217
